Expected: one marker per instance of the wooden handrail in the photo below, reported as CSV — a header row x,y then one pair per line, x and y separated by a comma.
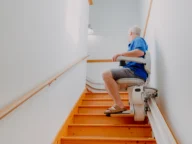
x,y
147,20
12,106
90,2
99,60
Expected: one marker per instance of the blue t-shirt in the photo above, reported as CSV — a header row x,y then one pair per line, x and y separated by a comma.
x,y
138,69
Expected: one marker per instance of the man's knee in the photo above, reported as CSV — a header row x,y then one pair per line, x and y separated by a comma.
x,y
107,75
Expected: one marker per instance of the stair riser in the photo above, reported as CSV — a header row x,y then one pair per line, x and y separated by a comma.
x,y
111,131
104,96
102,119
98,110
103,142
108,103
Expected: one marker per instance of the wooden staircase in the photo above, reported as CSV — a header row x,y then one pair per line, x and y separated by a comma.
x,y
90,126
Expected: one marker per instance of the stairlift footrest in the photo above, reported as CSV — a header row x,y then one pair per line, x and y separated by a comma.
x,y
127,112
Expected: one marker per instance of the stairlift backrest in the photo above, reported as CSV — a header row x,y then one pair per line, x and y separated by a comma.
x,y
147,65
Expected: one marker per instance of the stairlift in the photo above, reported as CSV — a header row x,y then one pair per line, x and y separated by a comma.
x,y
138,90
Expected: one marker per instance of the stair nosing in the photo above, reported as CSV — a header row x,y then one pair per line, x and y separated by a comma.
x,y
95,106
95,114
111,125
103,99
149,139
105,93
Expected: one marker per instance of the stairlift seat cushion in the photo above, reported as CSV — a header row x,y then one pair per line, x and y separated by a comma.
x,y
131,81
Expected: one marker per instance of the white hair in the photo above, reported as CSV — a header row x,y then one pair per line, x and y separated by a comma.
x,y
136,30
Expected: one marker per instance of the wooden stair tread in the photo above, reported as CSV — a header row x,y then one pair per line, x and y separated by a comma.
x,y
108,138
113,115
111,125
105,140
91,109
96,106
104,93
97,118
109,130
103,99
101,102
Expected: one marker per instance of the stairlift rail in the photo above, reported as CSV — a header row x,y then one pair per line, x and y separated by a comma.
x,y
161,130
154,128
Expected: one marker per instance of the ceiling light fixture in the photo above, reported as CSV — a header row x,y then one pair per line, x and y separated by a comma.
x,y
90,30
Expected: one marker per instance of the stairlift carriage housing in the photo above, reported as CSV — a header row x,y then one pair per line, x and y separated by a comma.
x,y
138,91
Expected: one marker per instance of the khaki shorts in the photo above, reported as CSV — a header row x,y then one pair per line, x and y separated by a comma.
x,y
123,73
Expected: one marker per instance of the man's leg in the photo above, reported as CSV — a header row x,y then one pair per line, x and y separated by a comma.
x,y
110,78
112,88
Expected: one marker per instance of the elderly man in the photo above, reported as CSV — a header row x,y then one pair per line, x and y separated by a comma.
x,y
136,48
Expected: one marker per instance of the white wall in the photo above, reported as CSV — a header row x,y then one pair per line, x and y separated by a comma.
x,y
169,36
110,20
38,39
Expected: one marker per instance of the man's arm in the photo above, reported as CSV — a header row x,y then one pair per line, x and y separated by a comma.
x,y
133,53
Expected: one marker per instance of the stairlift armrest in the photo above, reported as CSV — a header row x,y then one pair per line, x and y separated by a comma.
x,y
131,59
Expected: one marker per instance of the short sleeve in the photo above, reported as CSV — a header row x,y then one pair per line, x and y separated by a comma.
x,y
139,44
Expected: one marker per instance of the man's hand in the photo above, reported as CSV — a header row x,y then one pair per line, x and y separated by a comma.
x,y
115,57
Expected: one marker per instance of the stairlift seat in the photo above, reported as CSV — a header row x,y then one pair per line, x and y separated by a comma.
x,y
135,81
131,81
